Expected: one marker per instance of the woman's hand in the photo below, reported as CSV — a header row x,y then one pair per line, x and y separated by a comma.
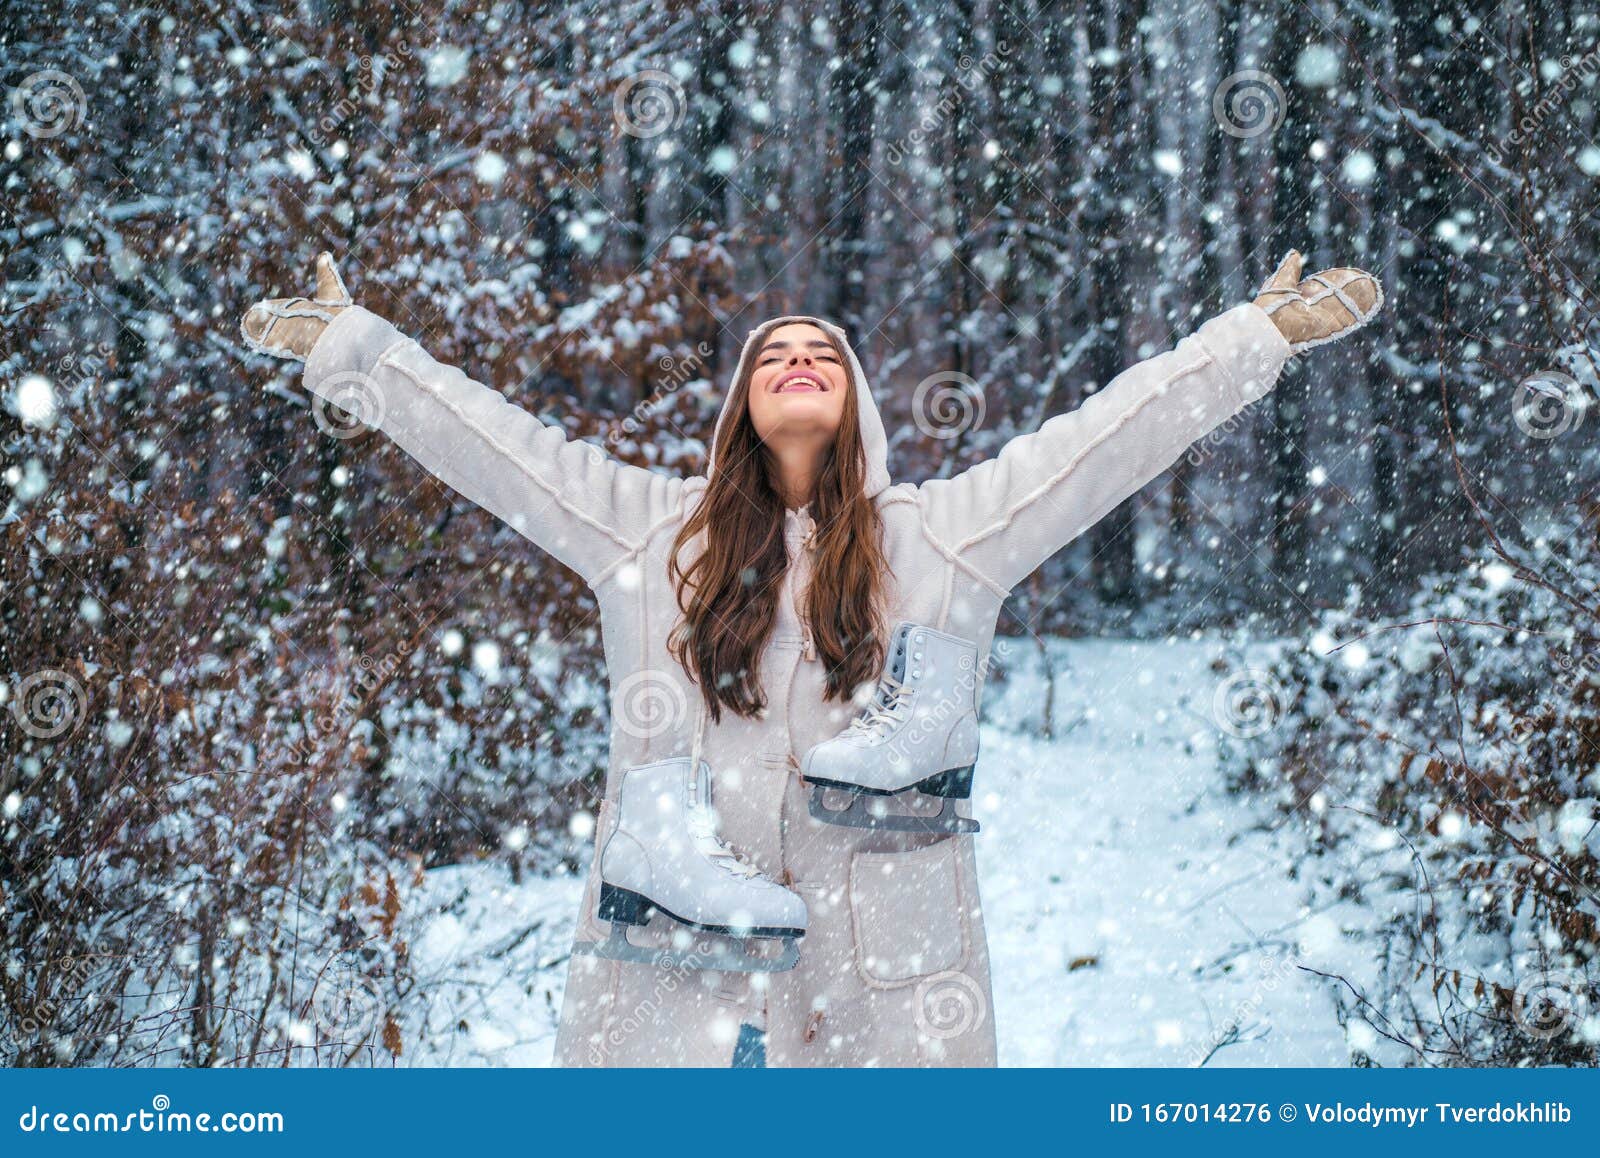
x,y
1322,308
289,327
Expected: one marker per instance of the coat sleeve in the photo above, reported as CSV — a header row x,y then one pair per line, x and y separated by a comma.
x,y
567,496
1007,515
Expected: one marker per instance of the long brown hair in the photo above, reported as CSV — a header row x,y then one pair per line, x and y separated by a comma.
x,y
729,592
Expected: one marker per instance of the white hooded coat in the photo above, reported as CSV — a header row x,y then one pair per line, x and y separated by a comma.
x,y
894,969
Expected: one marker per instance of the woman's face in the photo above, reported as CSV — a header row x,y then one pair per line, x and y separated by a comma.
x,y
797,389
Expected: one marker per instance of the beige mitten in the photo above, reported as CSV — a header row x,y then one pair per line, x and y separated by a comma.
x,y
1323,308
289,327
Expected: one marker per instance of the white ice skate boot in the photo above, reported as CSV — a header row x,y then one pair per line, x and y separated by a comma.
x,y
919,732
664,855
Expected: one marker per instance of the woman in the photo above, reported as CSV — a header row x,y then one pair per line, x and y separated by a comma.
x,y
758,599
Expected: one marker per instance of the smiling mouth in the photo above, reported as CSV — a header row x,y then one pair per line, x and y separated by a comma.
x,y
800,382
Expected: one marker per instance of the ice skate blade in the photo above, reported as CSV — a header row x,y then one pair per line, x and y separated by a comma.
x,y
618,947
631,908
860,814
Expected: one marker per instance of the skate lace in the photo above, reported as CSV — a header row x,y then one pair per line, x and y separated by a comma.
x,y
886,710
703,828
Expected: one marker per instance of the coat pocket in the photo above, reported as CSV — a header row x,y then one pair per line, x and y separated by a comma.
x,y
906,911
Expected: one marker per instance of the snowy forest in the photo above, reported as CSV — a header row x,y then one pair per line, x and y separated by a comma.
x,y
1291,760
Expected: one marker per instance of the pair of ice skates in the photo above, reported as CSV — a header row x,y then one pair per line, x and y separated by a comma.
x,y
918,735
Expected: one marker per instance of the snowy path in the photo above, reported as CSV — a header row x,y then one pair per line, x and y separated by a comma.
x,y
1135,910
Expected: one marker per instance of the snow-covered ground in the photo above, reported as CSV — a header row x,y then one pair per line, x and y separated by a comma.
x,y
1135,910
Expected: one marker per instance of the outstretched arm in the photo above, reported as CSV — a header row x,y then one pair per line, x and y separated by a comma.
x,y
1009,514
565,495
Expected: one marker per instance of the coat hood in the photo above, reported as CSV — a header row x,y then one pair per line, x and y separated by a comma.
x,y
874,442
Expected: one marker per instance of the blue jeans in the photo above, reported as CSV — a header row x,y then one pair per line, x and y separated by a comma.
x,y
750,1051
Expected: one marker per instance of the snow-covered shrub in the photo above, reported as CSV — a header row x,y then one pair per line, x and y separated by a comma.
x,y
184,880
1446,771
258,670
227,747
